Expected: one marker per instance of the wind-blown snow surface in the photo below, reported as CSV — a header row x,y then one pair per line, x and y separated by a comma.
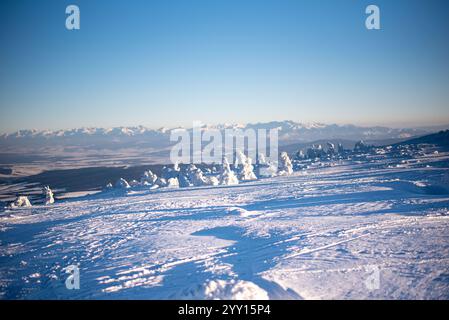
x,y
307,236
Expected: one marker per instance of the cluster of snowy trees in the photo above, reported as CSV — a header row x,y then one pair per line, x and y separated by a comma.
x,y
23,201
317,151
241,170
190,175
361,146
330,151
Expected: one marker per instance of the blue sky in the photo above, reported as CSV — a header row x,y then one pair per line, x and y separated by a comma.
x,y
167,63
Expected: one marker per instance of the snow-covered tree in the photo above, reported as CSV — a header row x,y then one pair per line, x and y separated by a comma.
x,y
246,169
298,160
109,186
173,183
148,178
48,195
168,173
227,176
215,169
340,149
161,182
199,179
285,164
331,149
207,171
316,151
299,156
264,168
185,174
361,146
191,176
261,159
196,177
213,181
184,181
122,184
20,202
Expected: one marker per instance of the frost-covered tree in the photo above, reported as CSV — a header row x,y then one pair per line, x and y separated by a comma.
x,y
246,169
213,181
161,182
261,159
109,186
122,184
215,169
20,202
316,151
48,195
227,176
264,168
186,175
331,149
299,156
298,160
285,164
184,181
361,146
148,178
207,171
197,177
173,183
340,149
168,173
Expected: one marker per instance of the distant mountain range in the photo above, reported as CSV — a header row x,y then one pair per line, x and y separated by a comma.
x,y
289,132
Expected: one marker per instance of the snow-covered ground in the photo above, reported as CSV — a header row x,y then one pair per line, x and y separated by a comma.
x,y
377,228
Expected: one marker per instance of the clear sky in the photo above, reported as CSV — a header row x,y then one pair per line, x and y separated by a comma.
x,y
167,63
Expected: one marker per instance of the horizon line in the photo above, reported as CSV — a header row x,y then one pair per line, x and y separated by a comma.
x,y
305,123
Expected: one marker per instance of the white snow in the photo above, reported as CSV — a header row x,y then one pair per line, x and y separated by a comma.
x,y
224,290
320,235
242,212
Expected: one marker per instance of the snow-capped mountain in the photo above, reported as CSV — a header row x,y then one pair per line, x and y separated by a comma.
x,y
289,132
115,131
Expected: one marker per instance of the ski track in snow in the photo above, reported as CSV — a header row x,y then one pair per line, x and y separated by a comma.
x,y
313,235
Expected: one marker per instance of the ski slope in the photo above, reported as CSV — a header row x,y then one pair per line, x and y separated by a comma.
x,y
319,234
